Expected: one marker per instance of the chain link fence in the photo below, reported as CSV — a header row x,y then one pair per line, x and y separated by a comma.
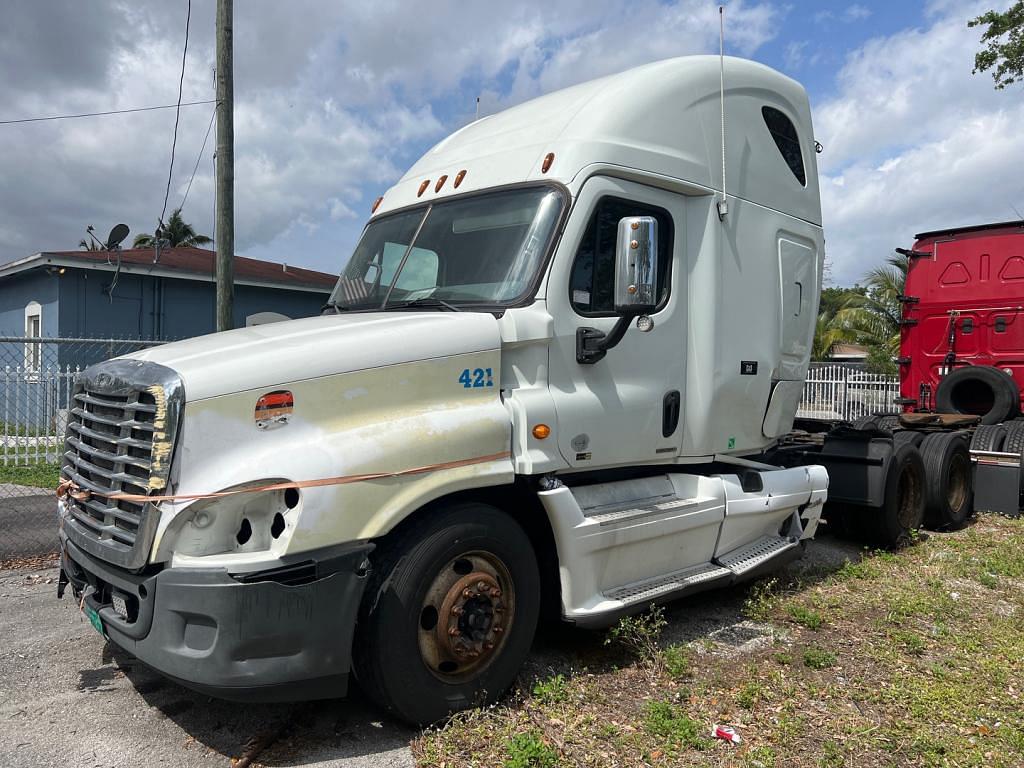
x,y
37,379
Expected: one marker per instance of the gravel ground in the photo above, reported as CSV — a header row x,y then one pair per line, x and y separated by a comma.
x,y
67,697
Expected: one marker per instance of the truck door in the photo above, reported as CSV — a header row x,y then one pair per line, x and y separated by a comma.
x,y
626,408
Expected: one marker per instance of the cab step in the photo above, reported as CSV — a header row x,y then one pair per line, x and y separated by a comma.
x,y
682,581
745,559
610,514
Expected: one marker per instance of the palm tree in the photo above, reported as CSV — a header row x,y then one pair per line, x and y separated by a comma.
x,y
88,245
176,232
872,318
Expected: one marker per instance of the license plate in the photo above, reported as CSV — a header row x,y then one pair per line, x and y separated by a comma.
x,y
95,620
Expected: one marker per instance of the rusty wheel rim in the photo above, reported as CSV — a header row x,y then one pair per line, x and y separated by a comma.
x,y
466,616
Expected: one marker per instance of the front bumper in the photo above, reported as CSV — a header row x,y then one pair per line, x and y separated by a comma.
x,y
279,635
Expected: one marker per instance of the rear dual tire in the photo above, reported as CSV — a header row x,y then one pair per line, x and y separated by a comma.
x,y
949,495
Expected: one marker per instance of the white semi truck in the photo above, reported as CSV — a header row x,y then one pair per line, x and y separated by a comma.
x,y
554,373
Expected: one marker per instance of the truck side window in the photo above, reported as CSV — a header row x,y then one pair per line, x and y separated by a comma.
x,y
592,281
784,133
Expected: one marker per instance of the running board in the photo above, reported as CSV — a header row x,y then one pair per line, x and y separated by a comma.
x,y
751,557
687,580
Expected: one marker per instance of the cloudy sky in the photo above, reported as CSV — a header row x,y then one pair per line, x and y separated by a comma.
x,y
335,99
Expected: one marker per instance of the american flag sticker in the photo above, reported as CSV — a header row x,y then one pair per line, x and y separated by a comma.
x,y
274,409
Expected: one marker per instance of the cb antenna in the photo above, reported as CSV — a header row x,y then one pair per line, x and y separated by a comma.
x,y
723,204
477,108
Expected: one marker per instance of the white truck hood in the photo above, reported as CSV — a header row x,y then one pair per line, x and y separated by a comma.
x,y
277,353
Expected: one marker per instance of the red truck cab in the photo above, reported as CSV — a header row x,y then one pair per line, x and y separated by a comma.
x,y
962,335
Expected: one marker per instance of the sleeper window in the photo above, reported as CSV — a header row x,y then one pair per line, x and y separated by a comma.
x,y
592,281
784,133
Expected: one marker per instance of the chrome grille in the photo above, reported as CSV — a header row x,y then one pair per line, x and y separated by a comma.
x,y
121,409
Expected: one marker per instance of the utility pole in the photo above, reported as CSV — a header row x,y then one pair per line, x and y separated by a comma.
x,y
225,215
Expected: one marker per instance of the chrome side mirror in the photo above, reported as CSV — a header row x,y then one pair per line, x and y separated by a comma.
x,y
636,265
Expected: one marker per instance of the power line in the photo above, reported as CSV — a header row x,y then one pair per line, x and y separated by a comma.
x,y
196,168
177,113
103,114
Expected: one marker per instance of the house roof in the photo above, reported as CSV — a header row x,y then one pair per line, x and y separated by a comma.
x,y
185,263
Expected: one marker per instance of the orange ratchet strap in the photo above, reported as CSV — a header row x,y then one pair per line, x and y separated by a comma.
x,y
75,491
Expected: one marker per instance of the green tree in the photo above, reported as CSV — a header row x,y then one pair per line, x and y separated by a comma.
x,y
176,231
88,245
1004,40
827,332
872,317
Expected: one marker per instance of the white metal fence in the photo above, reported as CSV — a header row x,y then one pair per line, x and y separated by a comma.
x,y
846,392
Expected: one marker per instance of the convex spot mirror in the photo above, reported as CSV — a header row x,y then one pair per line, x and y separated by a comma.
x,y
636,265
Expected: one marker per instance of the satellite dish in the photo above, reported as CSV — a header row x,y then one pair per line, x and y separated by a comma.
x,y
117,234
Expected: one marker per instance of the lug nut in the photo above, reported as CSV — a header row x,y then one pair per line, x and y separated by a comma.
x,y
488,646
481,585
457,610
467,593
497,629
454,632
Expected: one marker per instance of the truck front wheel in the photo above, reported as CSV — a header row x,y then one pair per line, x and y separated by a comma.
x,y
449,613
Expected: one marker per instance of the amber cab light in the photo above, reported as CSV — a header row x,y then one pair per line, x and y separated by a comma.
x,y
440,183
423,187
549,158
541,431
376,204
459,177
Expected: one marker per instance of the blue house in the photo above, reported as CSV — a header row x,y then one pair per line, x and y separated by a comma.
x,y
130,294
138,293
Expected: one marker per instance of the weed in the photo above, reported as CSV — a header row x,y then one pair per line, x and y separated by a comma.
x,y
666,721
751,693
761,600
818,658
806,616
528,750
676,660
760,757
639,634
785,658
832,756
914,644
554,690
988,580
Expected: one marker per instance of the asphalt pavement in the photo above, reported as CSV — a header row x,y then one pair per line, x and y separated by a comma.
x,y
69,698
28,521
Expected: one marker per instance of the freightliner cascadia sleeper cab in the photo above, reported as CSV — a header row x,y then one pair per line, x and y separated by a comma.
x,y
548,377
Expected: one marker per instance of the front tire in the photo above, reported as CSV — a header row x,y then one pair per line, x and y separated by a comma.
x,y
449,613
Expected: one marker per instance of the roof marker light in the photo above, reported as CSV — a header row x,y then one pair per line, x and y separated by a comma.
x,y
459,177
541,431
549,158
440,183
376,204
423,187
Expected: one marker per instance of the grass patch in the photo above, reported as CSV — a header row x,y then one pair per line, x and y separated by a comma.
x,y
675,728
818,658
39,475
554,690
677,661
528,750
801,614
911,659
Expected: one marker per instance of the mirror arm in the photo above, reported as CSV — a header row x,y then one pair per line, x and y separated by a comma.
x,y
592,344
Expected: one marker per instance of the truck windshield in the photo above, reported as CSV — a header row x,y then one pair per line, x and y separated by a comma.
x,y
480,250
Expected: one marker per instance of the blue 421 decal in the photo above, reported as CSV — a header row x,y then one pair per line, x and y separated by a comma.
x,y
478,377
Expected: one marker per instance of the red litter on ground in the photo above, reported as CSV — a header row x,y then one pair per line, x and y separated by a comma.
x,y
726,733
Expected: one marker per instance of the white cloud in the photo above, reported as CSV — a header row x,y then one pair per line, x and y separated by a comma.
x,y
914,142
332,99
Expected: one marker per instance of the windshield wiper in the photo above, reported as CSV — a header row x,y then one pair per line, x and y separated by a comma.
x,y
338,307
426,301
